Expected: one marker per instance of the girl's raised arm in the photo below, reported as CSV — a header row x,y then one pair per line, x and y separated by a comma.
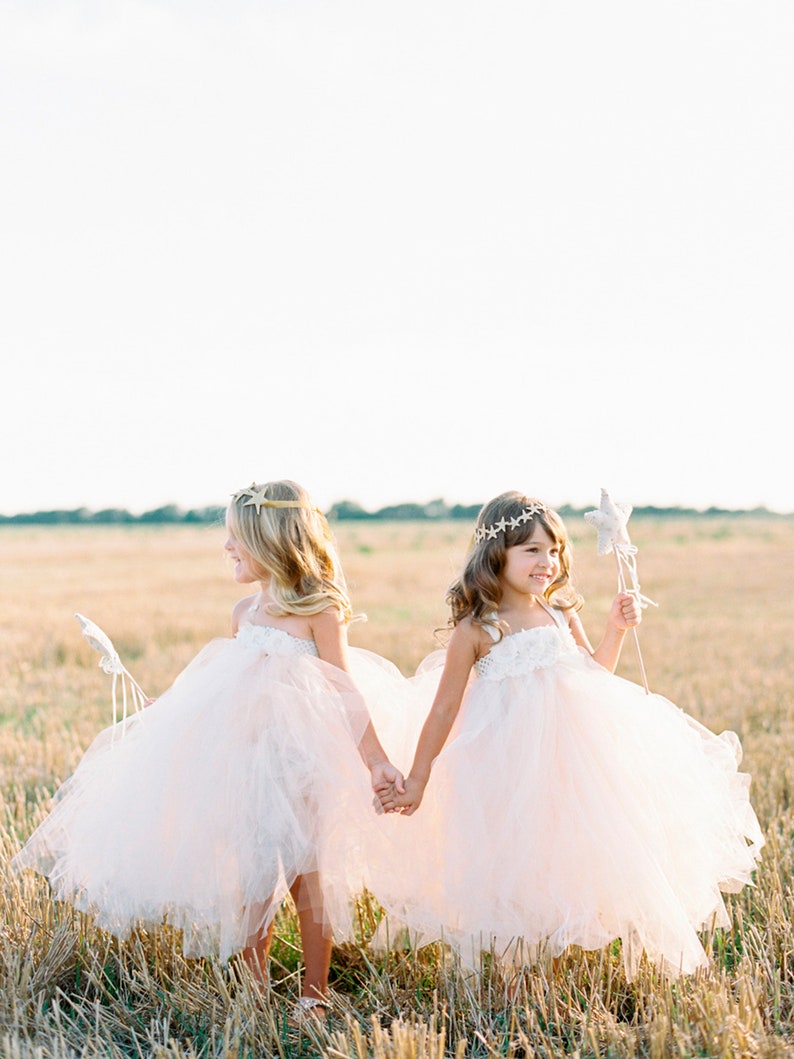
x,y
462,652
624,614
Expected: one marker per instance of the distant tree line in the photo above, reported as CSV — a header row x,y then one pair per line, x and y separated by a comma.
x,y
341,511
116,516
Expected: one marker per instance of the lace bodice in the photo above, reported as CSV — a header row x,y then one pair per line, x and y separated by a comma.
x,y
274,641
522,652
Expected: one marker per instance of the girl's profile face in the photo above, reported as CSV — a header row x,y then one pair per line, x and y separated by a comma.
x,y
244,566
532,566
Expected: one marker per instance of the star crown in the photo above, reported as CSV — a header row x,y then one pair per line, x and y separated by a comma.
x,y
490,533
256,498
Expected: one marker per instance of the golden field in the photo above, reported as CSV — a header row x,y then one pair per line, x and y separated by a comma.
x,y
718,645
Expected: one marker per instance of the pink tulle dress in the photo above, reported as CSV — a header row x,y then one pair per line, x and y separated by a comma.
x,y
570,808
202,810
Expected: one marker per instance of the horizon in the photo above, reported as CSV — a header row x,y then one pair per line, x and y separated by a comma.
x,y
376,512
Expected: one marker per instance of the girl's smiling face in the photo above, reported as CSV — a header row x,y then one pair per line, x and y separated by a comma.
x,y
244,566
531,567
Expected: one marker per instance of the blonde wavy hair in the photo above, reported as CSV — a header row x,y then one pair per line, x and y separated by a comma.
x,y
292,548
478,592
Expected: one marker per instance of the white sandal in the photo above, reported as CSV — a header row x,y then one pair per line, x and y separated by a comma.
x,y
307,1006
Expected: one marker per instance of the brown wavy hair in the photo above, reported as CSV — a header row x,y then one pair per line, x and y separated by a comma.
x,y
293,548
477,593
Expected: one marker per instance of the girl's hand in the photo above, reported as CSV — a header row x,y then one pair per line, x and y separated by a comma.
x,y
385,778
625,612
407,802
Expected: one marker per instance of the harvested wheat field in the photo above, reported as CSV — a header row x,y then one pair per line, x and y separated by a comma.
x,y
718,645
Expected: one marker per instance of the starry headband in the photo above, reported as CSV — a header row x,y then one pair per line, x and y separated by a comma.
x,y
490,533
256,498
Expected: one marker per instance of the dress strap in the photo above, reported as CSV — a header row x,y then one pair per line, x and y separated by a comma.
x,y
492,632
558,615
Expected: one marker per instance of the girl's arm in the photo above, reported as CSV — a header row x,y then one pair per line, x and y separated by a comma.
x,y
462,652
330,635
624,614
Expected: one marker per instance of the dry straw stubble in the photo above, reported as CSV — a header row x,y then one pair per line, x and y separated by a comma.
x,y
718,645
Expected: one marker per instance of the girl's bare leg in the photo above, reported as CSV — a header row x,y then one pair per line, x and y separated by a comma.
x,y
257,954
316,946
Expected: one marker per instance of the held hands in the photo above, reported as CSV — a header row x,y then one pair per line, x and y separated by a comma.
x,y
406,801
625,612
386,781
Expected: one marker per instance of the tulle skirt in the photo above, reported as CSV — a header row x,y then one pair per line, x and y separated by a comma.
x,y
202,811
569,808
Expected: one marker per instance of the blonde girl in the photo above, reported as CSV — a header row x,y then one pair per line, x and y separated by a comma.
x,y
243,781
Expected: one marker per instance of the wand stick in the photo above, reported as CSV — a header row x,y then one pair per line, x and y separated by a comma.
x,y
622,586
613,536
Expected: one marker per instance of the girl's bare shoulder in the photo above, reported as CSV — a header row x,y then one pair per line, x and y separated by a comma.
x,y
239,610
327,620
471,635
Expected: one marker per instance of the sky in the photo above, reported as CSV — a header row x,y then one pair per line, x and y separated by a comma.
x,y
396,251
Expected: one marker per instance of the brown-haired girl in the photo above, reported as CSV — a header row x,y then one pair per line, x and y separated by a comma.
x,y
562,805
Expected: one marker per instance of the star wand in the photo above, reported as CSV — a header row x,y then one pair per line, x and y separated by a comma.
x,y
111,664
610,520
